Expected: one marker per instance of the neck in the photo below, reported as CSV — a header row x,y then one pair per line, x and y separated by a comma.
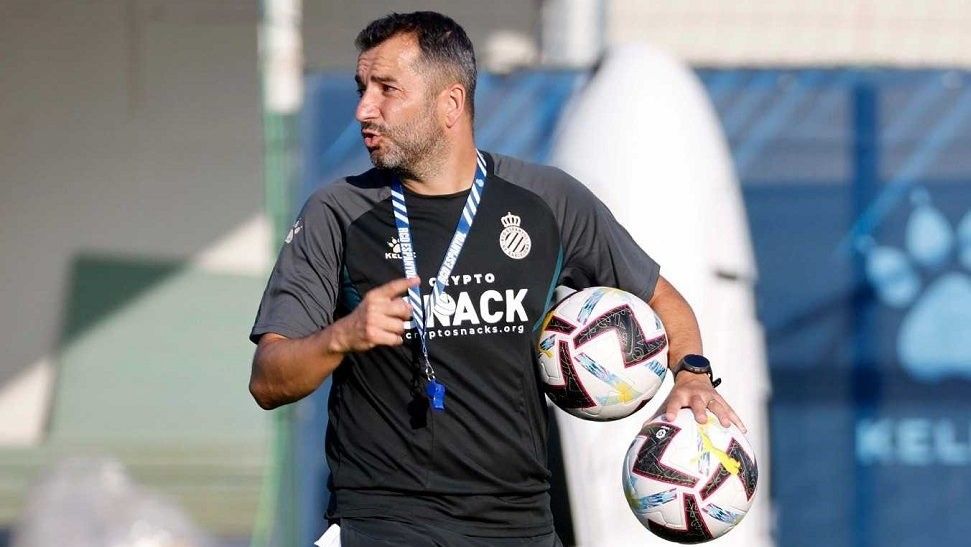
x,y
452,174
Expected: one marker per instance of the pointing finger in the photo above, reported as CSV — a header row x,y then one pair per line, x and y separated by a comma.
x,y
396,287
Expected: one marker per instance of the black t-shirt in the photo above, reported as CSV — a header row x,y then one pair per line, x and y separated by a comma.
x,y
480,466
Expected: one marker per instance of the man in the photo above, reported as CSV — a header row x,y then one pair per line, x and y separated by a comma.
x,y
437,432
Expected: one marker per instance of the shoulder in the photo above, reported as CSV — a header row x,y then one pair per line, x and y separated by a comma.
x,y
349,197
372,183
554,185
532,175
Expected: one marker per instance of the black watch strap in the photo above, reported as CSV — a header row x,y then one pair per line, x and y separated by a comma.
x,y
697,364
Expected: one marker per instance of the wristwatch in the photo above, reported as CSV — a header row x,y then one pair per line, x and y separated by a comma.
x,y
696,364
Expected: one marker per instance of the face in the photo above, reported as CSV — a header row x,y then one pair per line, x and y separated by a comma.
x,y
397,109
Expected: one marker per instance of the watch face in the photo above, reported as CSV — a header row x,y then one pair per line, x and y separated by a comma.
x,y
696,362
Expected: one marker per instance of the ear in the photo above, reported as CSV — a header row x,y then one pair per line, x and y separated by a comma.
x,y
452,103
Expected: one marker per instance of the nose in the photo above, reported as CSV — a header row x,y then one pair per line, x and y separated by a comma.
x,y
366,108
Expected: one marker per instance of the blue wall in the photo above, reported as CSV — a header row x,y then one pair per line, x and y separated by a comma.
x,y
858,190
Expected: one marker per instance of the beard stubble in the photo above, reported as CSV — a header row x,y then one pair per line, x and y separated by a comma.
x,y
412,149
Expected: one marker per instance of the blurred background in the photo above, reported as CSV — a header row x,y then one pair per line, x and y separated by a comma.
x,y
153,154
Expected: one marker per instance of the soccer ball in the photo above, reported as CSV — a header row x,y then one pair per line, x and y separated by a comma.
x,y
689,482
602,354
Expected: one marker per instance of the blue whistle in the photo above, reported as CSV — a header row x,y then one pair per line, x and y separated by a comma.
x,y
436,395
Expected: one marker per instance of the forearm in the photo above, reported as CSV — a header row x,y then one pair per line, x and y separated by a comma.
x,y
679,321
693,391
286,370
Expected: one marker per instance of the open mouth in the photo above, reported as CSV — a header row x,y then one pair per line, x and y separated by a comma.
x,y
371,141
371,138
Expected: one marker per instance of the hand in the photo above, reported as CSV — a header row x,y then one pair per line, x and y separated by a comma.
x,y
378,320
696,392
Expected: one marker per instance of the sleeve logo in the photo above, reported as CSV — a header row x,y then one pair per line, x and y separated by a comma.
x,y
513,240
297,226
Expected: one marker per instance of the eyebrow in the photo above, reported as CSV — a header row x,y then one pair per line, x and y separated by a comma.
x,y
379,79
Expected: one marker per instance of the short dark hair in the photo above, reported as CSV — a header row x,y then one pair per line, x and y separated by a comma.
x,y
443,43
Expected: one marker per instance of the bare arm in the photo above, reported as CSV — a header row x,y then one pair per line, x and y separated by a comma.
x,y
286,370
684,337
679,320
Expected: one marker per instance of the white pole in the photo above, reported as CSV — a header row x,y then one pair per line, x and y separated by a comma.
x,y
572,32
281,64
282,54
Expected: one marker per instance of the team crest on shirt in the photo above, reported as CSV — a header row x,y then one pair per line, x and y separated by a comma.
x,y
513,240
297,226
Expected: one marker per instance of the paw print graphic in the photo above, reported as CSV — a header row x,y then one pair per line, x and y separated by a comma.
x,y
393,244
930,277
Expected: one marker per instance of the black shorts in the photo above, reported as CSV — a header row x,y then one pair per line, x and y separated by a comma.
x,y
376,532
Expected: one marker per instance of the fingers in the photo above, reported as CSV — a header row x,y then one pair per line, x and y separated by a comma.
x,y
386,338
395,288
379,320
699,407
671,408
726,416
400,309
739,423
700,401
678,400
383,331
733,418
722,411
390,324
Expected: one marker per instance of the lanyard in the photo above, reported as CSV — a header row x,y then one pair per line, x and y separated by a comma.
x,y
440,301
